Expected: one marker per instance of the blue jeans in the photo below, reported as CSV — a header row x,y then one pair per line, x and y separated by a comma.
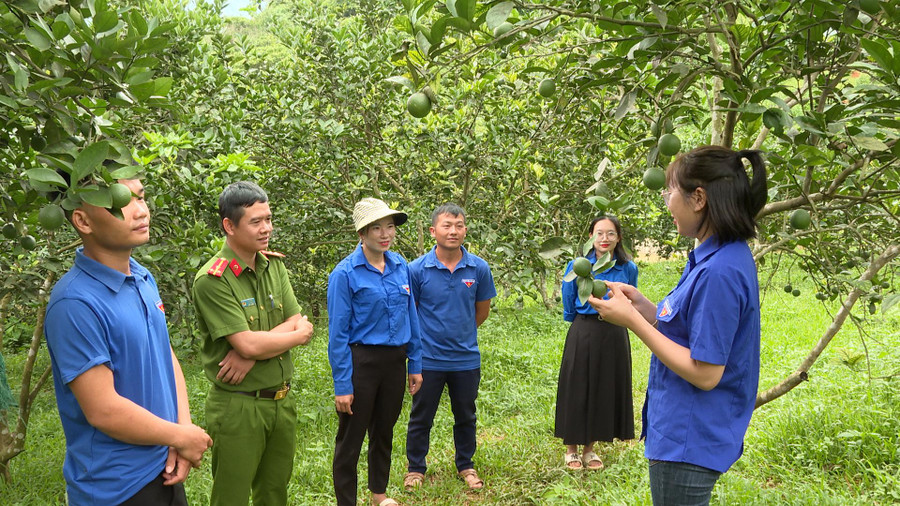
x,y
462,387
681,484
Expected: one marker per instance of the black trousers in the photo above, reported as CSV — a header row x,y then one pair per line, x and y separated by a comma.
x,y
157,494
379,381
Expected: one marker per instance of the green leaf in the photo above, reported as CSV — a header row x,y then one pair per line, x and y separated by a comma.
x,y
588,246
498,14
878,52
126,172
96,196
603,260
660,14
625,104
37,39
569,276
44,175
104,21
88,160
21,78
870,143
889,302
600,203
402,81
423,42
552,247
585,287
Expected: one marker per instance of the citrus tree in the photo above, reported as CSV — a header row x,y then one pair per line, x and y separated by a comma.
x,y
75,79
812,83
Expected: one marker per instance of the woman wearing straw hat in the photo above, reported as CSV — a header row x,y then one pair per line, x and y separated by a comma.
x,y
373,345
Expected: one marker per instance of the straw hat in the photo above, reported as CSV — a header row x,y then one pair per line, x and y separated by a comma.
x,y
369,210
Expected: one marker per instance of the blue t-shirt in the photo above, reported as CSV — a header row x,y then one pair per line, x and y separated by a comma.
x,y
714,311
623,273
97,315
446,305
367,306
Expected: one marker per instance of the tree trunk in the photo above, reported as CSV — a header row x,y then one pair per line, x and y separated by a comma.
x,y
802,372
12,441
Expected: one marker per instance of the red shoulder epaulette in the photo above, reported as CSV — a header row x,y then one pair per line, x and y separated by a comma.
x,y
268,254
218,267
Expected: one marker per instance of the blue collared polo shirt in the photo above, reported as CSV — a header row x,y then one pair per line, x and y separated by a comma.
x,y
626,272
714,311
446,305
99,316
367,306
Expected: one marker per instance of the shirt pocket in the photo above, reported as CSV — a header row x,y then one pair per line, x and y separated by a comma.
x,y
274,310
251,313
398,299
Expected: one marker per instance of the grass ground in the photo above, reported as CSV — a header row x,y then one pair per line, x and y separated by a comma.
x,y
833,440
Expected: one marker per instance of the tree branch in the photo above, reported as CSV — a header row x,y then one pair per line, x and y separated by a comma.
x,y
801,374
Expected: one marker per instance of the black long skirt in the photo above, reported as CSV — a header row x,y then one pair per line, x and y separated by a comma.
x,y
593,396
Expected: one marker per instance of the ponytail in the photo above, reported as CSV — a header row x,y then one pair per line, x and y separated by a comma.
x,y
758,191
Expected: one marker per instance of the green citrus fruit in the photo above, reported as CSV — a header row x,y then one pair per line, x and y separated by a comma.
x,y
788,288
795,292
27,242
418,105
654,178
9,231
51,217
582,267
599,289
502,29
870,6
821,296
121,195
547,88
800,219
669,145
38,142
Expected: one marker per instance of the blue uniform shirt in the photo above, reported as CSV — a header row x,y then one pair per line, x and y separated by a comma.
x,y
714,311
623,273
97,315
366,306
446,305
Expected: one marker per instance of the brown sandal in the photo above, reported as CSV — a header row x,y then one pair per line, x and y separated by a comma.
x,y
413,480
471,478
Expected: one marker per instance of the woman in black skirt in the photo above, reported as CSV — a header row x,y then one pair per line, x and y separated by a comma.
x,y
593,397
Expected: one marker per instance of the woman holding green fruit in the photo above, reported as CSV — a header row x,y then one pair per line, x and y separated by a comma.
x,y
593,398
705,334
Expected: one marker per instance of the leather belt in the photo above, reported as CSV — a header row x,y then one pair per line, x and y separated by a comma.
x,y
277,395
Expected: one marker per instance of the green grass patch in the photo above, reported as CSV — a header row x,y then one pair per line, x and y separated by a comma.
x,y
832,440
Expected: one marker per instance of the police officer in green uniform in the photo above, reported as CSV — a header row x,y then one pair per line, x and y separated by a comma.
x,y
249,321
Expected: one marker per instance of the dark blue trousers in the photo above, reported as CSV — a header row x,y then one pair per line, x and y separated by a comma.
x,y
462,387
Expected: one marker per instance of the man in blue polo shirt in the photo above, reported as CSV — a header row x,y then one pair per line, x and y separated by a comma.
x,y
453,290
119,387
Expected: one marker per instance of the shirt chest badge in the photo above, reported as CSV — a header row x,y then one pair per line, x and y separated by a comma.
x,y
666,309
248,302
161,306
468,282
405,287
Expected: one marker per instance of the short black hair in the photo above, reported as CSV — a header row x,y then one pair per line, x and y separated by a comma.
x,y
448,208
238,196
622,256
732,199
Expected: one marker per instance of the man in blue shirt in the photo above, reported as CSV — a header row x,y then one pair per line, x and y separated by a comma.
x,y
453,290
119,387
